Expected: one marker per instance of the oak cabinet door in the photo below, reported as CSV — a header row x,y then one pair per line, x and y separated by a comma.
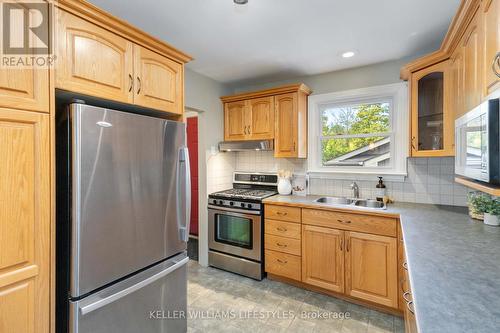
x,y
458,85
158,81
472,63
323,257
92,60
236,127
286,130
24,221
432,114
261,118
491,34
24,88
371,268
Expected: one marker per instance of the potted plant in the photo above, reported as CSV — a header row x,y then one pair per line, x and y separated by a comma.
x,y
477,204
492,212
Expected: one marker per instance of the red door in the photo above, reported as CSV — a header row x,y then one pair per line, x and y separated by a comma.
x,y
192,142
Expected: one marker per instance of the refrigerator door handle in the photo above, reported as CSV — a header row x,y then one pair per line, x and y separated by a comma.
x,y
184,183
112,298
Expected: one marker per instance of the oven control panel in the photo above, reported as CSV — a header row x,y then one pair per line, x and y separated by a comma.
x,y
234,204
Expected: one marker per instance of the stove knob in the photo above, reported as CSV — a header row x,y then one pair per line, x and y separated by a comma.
x,y
231,203
242,205
221,202
249,205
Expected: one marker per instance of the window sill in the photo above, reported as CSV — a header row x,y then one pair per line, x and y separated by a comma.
x,y
358,175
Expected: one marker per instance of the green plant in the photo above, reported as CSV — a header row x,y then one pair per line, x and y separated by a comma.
x,y
493,207
480,202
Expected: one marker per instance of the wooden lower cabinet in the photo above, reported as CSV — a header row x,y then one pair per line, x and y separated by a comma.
x,y
282,264
323,257
371,268
24,221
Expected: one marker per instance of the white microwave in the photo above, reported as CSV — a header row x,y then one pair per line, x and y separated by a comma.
x,y
477,143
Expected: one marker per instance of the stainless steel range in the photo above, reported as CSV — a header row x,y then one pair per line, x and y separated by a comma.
x,y
235,224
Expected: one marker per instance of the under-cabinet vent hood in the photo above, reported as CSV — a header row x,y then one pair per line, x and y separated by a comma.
x,y
246,145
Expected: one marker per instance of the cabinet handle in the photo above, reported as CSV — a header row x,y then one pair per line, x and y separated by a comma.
x,y
405,265
282,214
281,229
131,82
413,143
139,85
281,245
282,261
408,306
406,293
496,63
248,130
344,222
347,246
341,245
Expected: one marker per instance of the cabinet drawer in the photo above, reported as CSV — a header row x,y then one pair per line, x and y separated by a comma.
x,y
280,228
283,264
282,244
353,222
282,213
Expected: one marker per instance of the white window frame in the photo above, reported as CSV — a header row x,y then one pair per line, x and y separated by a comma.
x,y
397,94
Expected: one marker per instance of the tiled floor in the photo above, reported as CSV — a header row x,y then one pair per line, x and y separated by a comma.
x,y
269,306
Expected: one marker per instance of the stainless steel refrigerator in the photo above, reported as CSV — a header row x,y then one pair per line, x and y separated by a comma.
x,y
123,203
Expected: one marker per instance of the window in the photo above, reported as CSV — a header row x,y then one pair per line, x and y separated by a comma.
x,y
359,131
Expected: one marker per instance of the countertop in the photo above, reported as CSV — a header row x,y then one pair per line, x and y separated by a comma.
x,y
453,263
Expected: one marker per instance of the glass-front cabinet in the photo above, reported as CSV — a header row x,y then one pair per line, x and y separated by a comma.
x,y
432,116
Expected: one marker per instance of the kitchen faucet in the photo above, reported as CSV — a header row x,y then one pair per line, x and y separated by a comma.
x,y
355,190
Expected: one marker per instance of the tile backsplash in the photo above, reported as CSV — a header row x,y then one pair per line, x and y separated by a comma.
x,y
220,168
430,180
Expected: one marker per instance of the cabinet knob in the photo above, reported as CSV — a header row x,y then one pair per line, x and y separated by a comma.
x,y
496,65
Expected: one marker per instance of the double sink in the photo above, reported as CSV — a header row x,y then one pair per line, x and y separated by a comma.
x,y
342,201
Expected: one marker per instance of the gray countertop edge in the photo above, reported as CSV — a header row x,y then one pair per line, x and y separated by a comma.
x,y
453,265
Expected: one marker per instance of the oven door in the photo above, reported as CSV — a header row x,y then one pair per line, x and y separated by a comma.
x,y
235,232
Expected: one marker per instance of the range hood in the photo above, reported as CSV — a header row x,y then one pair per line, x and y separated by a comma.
x,y
264,145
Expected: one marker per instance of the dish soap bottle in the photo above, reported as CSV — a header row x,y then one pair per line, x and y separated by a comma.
x,y
380,193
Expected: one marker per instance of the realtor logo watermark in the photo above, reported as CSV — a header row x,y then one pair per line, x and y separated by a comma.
x,y
26,34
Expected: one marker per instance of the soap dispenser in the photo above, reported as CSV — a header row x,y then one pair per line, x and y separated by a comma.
x,y
380,193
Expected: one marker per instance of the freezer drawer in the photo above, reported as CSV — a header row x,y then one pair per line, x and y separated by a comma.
x,y
153,301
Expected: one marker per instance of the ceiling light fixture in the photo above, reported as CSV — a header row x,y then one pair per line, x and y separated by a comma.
x,y
240,2
348,54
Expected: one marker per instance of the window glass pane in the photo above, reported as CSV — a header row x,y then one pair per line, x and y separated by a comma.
x,y
233,230
355,119
363,152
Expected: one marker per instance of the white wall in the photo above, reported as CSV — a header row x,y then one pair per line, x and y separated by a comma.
x,y
202,94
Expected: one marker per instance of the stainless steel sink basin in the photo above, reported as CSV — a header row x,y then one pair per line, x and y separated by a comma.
x,y
361,203
370,204
335,201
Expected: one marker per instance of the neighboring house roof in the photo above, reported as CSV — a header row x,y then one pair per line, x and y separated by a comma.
x,y
371,155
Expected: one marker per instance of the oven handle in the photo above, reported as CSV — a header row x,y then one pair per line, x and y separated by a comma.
x,y
234,210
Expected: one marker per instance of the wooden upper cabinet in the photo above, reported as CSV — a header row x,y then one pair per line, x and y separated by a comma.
x,y
25,88
260,118
235,121
432,115
491,46
471,44
279,113
286,125
457,65
158,81
25,221
323,257
92,60
371,268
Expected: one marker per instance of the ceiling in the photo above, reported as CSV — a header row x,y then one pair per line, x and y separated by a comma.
x,y
280,39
